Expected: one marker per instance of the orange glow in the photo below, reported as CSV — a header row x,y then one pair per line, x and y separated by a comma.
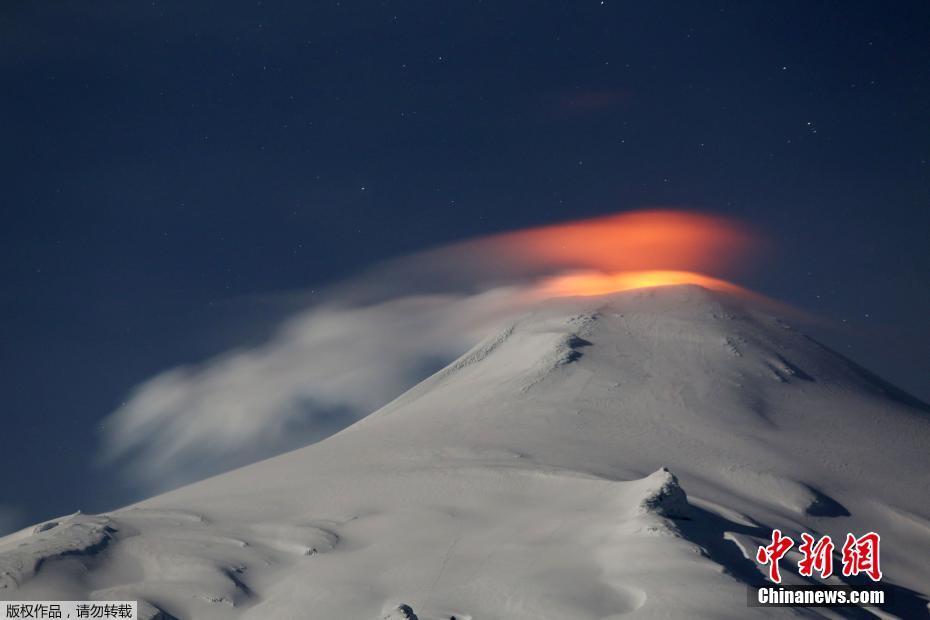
x,y
600,256
635,241
583,284
603,255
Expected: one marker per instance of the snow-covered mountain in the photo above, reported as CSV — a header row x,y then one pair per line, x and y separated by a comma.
x,y
603,456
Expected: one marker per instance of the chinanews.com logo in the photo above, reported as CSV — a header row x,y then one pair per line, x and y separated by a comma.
x,y
858,559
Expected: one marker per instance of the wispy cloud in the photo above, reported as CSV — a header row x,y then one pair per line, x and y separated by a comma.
x,y
324,369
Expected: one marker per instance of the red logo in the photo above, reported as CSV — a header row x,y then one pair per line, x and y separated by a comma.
x,y
773,553
817,556
859,555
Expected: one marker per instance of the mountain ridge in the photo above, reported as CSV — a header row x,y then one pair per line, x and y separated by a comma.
x,y
512,483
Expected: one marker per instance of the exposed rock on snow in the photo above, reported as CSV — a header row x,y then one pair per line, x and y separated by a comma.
x,y
401,612
665,497
21,556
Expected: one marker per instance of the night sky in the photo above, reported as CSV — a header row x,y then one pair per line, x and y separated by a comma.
x,y
171,167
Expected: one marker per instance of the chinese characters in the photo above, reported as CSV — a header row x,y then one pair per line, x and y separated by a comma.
x,y
858,555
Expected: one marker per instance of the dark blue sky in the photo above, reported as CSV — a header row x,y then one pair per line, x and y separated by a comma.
x,y
168,164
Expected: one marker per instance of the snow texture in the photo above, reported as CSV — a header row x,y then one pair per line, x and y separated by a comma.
x,y
597,458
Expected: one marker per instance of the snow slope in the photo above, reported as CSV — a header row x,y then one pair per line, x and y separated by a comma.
x,y
602,457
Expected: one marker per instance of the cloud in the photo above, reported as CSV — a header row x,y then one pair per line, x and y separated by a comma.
x,y
324,369
371,338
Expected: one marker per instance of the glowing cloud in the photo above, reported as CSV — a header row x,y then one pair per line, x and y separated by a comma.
x,y
636,241
585,284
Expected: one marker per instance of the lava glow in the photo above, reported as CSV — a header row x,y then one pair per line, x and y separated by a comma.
x,y
631,250
583,284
